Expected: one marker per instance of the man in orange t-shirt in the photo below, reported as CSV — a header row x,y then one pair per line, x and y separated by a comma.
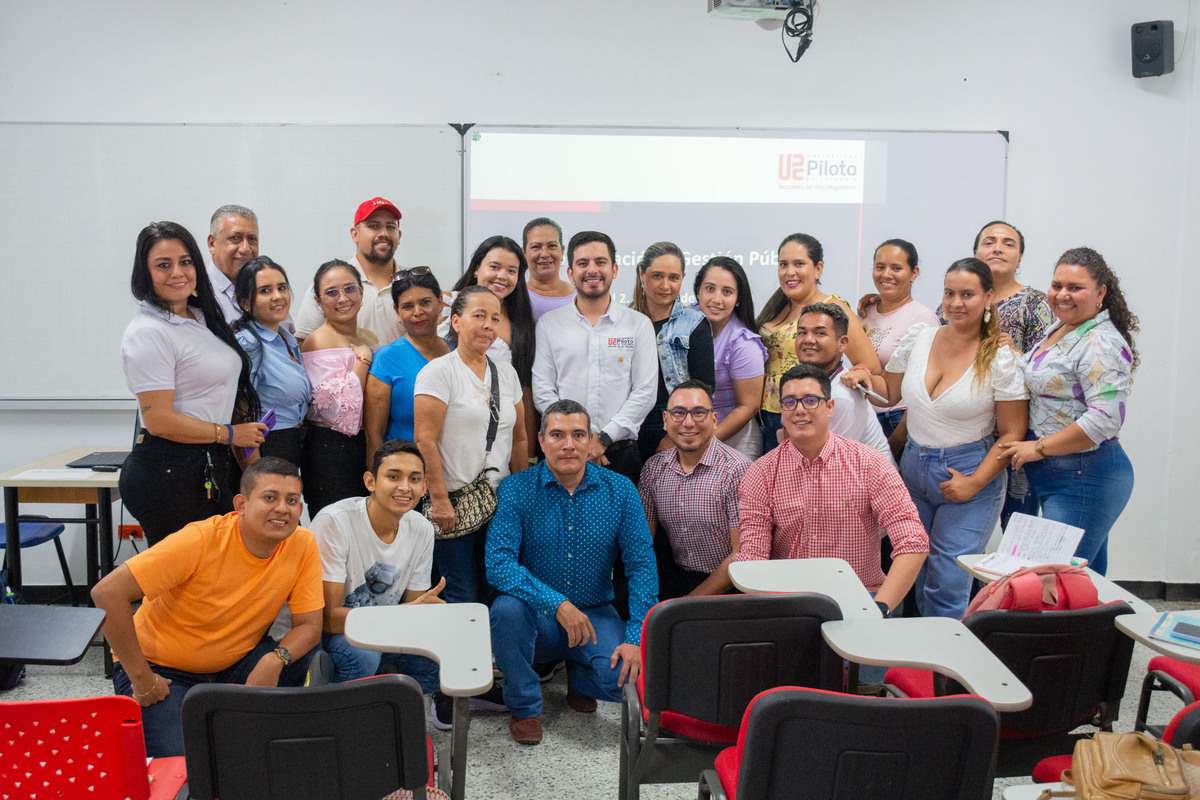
x,y
211,591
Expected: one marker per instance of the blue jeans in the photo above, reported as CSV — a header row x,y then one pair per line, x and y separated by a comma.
x,y
460,562
521,637
351,663
1087,490
770,423
888,420
943,587
162,725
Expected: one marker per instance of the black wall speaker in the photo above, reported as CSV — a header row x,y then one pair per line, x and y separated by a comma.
x,y
1153,47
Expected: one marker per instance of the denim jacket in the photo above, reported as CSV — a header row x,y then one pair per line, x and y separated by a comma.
x,y
673,343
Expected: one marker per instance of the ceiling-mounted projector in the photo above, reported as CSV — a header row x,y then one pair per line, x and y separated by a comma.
x,y
767,13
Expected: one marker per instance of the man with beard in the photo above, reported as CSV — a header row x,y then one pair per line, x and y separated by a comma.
x,y
689,492
232,242
542,241
375,233
599,354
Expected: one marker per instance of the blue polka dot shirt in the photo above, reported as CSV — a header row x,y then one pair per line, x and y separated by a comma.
x,y
546,545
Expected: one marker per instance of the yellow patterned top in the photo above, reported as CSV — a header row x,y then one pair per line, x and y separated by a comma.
x,y
781,356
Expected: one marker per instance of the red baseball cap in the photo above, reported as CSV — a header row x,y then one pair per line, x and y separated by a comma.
x,y
368,207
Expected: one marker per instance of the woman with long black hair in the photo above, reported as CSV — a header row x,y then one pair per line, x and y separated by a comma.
x,y
193,388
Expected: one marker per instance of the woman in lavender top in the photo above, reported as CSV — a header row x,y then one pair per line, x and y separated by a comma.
x,y
723,295
1079,377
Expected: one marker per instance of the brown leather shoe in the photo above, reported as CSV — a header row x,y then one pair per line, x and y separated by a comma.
x,y
581,703
526,731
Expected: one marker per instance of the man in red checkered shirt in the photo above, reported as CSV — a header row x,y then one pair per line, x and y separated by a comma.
x,y
820,495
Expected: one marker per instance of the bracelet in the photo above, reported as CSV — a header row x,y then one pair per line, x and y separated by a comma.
x,y
1040,447
229,431
216,433
153,686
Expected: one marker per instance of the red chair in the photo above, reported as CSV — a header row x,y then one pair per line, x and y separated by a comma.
x,y
808,744
1075,663
1184,728
1166,674
88,747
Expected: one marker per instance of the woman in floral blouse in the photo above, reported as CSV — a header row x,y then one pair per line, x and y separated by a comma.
x,y
1079,377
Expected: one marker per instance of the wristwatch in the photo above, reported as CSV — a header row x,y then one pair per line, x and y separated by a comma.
x,y
284,655
605,439
883,608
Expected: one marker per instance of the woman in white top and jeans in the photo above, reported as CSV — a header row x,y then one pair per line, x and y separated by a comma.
x,y
192,382
451,412
960,384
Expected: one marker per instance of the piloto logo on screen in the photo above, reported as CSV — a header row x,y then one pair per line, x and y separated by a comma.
x,y
798,167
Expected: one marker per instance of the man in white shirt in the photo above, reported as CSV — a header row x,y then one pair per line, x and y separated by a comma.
x,y
378,551
232,242
376,234
821,339
600,354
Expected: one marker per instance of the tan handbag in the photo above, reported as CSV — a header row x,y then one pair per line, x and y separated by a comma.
x,y
1130,766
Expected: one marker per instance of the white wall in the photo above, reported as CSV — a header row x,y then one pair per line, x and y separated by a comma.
x,y
1096,156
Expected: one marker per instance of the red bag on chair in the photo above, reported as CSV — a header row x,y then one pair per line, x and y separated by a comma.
x,y
1046,587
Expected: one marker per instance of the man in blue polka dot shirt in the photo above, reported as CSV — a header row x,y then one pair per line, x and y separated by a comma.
x,y
550,553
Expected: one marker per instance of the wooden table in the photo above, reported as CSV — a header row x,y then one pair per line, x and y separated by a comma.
x,y
1137,627
832,577
1105,589
941,644
457,636
96,491
32,634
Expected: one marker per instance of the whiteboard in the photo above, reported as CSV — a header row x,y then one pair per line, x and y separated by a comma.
x,y
734,191
74,196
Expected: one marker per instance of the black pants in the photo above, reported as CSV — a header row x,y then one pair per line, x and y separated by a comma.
x,y
673,580
651,433
162,484
623,458
331,466
286,444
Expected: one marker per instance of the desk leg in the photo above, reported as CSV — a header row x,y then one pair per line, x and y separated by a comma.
x,y
91,540
458,753
106,532
12,535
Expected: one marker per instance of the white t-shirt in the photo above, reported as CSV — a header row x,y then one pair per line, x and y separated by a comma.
x,y
162,351
886,330
966,411
374,573
854,417
464,430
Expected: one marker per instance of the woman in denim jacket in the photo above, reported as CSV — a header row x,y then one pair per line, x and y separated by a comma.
x,y
685,344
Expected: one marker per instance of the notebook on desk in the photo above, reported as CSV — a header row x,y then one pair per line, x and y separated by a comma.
x,y
100,459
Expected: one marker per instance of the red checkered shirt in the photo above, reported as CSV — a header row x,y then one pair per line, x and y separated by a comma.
x,y
697,510
832,506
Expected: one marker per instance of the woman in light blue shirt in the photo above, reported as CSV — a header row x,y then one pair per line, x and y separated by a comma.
x,y
276,368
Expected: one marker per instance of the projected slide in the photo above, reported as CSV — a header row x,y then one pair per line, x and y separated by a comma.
x,y
740,193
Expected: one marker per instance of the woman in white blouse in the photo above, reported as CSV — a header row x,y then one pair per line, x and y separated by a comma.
x,y
452,406
192,382
960,384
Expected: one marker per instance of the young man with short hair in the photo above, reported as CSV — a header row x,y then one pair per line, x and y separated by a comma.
x,y
377,551
209,593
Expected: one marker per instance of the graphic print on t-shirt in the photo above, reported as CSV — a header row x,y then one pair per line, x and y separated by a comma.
x,y
378,588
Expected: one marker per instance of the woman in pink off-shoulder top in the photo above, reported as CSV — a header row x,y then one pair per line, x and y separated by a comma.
x,y
336,356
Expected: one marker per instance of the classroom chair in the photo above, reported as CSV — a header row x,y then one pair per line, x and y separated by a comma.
x,y
1164,673
806,744
703,659
1075,663
86,747
1183,729
32,534
345,741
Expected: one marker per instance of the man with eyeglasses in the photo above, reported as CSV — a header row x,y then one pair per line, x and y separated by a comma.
x,y
689,492
376,234
822,333
822,495
232,243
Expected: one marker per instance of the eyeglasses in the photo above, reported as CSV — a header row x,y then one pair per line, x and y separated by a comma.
x,y
405,274
351,290
809,401
679,413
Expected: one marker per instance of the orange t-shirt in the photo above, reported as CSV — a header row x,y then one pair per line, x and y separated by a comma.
x,y
209,601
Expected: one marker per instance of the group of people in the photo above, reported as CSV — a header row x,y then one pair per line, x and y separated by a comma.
x,y
528,442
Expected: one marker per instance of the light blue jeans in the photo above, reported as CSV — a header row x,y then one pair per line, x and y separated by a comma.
x,y
351,663
1087,490
943,587
521,637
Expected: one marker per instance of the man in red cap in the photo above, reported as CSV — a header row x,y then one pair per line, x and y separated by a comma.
x,y
375,233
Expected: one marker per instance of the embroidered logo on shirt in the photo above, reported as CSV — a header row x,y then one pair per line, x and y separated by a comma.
x,y
621,342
